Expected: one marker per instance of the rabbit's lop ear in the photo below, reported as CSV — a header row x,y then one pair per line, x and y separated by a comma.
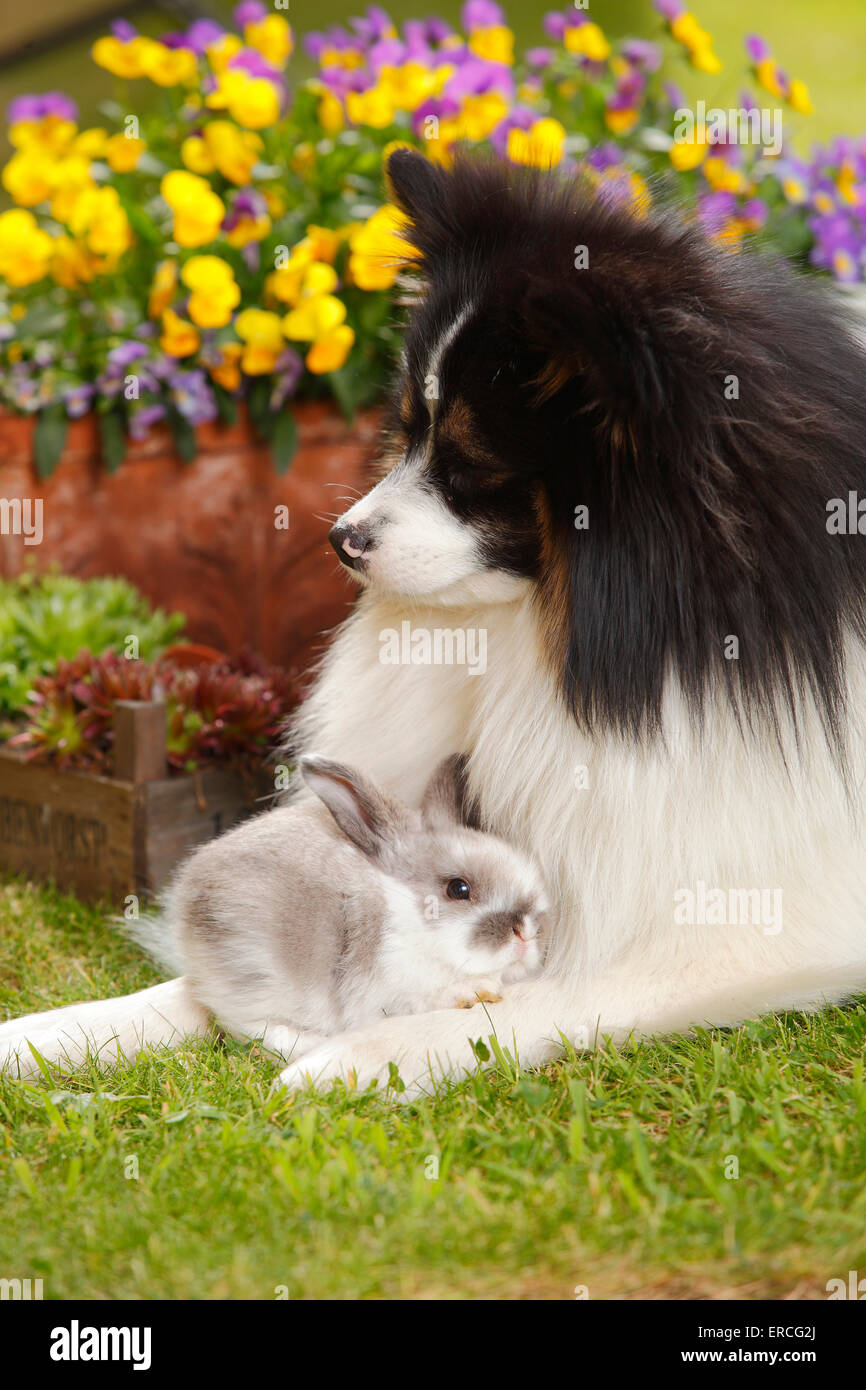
x,y
446,800
367,816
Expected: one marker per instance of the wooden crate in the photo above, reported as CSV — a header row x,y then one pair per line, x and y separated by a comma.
x,y
108,837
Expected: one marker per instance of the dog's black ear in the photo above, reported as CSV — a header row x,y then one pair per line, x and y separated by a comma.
x,y
419,189
414,184
597,344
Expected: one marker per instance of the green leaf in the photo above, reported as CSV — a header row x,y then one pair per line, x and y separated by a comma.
x,y
284,440
49,438
344,386
184,436
112,434
226,405
259,406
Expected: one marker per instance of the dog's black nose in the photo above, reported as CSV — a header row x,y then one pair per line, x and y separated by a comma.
x,y
350,542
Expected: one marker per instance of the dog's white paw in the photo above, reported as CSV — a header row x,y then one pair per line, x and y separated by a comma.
x,y
425,1049
355,1058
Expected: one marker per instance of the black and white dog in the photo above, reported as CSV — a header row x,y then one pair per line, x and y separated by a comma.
x,y
630,476
632,463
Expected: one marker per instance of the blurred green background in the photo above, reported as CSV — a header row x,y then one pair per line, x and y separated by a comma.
x,y
824,44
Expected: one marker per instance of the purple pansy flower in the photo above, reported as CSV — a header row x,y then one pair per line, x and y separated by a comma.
x,y
643,54
249,12
78,400
554,25
142,420
202,33
193,395
519,118
37,108
477,77
288,370
481,14
386,53
376,24
441,107
757,48
715,209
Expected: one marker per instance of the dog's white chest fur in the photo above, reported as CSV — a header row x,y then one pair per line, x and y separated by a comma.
x,y
624,832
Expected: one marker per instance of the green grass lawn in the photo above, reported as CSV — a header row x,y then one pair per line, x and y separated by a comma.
x,y
606,1171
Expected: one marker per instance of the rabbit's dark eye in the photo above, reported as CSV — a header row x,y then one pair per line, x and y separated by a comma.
x,y
458,889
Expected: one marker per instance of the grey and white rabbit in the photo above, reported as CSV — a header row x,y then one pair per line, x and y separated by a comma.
x,y
322,916
316,918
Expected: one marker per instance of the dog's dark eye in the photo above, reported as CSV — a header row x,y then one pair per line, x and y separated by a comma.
x,y
459,889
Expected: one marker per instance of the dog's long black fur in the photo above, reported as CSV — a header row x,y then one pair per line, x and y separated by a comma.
x,y
704,405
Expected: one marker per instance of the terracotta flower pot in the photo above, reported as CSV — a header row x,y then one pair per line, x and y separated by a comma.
x,y
201,536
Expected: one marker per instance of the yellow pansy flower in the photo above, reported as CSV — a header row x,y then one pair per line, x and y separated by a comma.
x,y
179,338
688,154
169,67
163,288
348,58
25,250
795,190
222,50
480,115
71,265
767,74
319,278
799,99
228,373
214,292
314,317
846,182
262,335
331,351
251,101
330,113
542,146
98,219
123,58
52,134
198,212
196,156
697,41
409,85
234,152
588,41
373,108
69,179
303,157
90,144
123,152
27,178
272,37
377,251
495,43
325,243
621,120
725,177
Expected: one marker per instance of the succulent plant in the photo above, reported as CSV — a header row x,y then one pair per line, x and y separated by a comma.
x,y
46,616
216,712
